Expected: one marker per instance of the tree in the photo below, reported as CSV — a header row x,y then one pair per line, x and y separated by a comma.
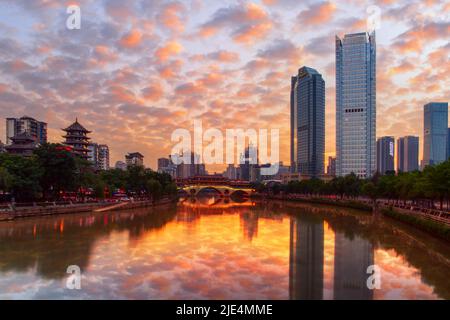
x,y
5,179
58,167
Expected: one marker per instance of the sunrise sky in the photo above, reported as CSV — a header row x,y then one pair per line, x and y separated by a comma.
x,y
137,70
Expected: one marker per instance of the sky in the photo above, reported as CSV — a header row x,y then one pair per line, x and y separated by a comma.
x,y
137,70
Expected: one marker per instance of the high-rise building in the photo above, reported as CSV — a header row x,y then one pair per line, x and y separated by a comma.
x,y
331,168
76,137
385,154
93,154
407,154
103,157
165,165
308,122
231,172
435,132
34,128
356,104
134,159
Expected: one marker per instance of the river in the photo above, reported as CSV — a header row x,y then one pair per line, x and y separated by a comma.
x,y
210,248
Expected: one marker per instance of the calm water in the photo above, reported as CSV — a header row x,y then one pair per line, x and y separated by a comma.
x,y
215,250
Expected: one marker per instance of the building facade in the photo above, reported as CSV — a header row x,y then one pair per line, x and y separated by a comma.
x,y
308,122
331,168
22,144
93,154
385,155
407,154
435,132
356,104
103,157
77,138
34,128
134,159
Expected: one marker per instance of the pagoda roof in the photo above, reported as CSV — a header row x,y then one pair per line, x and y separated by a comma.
x,y
76,126
23,137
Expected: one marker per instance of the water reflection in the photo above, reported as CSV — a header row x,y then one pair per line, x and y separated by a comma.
x,y
217,248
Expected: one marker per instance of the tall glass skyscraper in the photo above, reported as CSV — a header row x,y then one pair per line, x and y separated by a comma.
x,y
308,122
435,132
356,104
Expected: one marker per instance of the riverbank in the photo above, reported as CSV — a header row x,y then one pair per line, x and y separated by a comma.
x,y
434,225
77,208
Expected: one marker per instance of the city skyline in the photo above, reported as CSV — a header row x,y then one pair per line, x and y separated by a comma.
x,y
133,74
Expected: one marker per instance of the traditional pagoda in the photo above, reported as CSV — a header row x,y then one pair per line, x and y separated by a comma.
x,y
76,137
23,144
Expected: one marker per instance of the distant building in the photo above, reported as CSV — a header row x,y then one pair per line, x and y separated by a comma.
x,y
231,172
385,155
356,105
308,122
163,163
193,168
248,160
121,165
166,165
331,168
134,159
435,127
103,157
407,154
34,128
23,144
93,154
77,137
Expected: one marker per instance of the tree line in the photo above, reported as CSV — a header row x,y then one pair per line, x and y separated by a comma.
x,y
52,171
421,188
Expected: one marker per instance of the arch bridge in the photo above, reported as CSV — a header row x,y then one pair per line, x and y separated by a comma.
x,y
221,185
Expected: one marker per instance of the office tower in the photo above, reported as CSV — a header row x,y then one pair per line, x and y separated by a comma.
x,y
356,104
134,159
34,128
103,157
308,122
306,258
435,132
352,257
407,154
331,168
93,154
77,138
385,155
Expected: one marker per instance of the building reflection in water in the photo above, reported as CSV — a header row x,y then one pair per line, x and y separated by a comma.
x,y
306,259
351,259
249,224
352,256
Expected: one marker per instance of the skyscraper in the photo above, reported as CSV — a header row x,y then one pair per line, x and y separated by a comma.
x,y
385,154
435,132
93,154
308,122
407,154
34,128
356,104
